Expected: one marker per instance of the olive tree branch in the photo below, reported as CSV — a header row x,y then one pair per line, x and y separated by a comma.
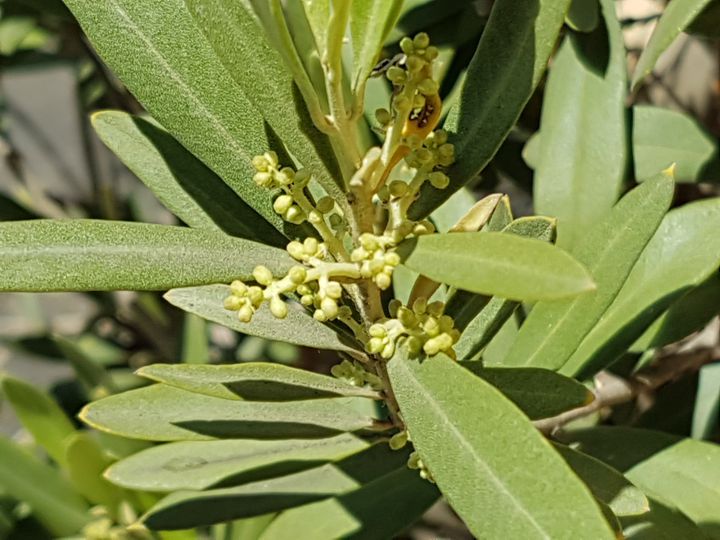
x,y
611,390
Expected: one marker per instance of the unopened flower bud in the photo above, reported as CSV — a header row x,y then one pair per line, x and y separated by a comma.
x,y
388,350
263,179
377,330
329,307
431,326
418,101
369,242
295,249
260,163
255,294
401,103
439,179
262,275
238,288
407,45
375,345
398,441
307,300
398,188
423,155
294,215
396,75
431,53
233,303
315,217
245,314
414,345
406,317
297,274
310,246
333,290
394,306
415,63
383,281
319,315
436,309
428,87
272,158
278,308
383,116
282,204
286,176
420,305
392,258
421,40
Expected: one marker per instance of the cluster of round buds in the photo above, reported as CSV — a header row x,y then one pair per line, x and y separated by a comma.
x,y
419,55
246,300
375,261
270,175
323,295
356,374
430,154
310,248
424,328
414,462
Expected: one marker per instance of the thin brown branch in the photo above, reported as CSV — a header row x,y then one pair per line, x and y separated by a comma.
x,y
611,390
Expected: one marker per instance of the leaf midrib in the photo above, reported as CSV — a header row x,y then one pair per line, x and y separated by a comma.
x,y
174,76
448,422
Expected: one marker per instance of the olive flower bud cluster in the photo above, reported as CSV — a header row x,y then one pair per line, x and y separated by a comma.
x,y
356,374
376,261
423,328
414,462
270,175
313,282
430,156
246,300
417,74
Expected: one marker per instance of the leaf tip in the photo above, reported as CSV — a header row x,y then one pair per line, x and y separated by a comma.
x,y
670,171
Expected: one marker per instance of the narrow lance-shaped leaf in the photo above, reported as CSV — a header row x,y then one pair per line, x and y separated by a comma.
x,y
489,315
183,183
52,499
539,393
553,330
235,34
253,381
688,314
586,87
164,413
491,481
606,483
86,464
669,266
662,137
676,17
497,264
93,255
707,403
40,415
370,23
198,101
683,474
205,464
380,509
185,509
299,327
512,55
583,15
